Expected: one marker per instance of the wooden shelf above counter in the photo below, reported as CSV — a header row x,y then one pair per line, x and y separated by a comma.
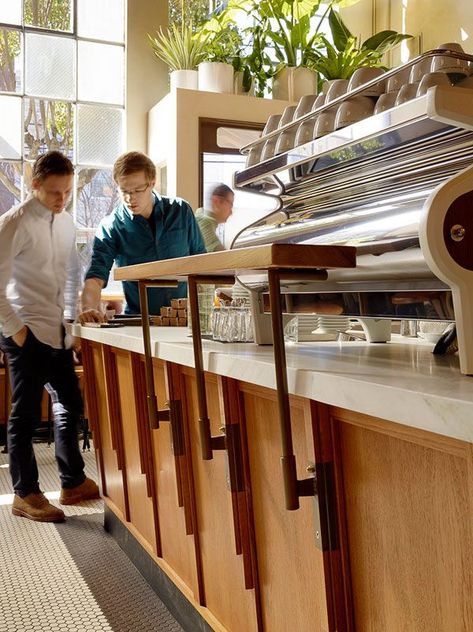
x,y
266,257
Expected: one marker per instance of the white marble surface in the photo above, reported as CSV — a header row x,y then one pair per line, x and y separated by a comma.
x,y
399,381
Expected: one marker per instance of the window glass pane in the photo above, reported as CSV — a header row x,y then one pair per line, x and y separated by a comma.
x,y
10,185
10,11
10,127
84,250
97,196
11,65
101,20
49,14
100,134
101,73
50,66
234,138
48,125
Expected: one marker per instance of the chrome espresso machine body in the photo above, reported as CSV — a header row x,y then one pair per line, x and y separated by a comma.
x,y
398,185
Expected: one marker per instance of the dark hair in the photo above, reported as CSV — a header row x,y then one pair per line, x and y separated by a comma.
x,y
53,163
221,190
131,162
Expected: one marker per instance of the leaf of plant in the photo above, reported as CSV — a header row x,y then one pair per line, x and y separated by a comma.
x,y
340,32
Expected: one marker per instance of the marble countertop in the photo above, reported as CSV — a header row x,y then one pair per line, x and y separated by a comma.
x,y
400,381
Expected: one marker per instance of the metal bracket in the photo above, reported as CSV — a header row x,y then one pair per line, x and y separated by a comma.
x,y
154,414
208,443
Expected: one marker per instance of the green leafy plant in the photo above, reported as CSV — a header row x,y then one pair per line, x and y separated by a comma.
x,y
179,47
340,59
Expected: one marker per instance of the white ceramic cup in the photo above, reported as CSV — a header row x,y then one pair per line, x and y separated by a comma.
x,y
305,133
337,88
419,69
385,102
432,79
450,65
287,115
353,110
395,82
286,141
362,76
407,92
319,102
305,105
325,123
254,155
268,148
271,124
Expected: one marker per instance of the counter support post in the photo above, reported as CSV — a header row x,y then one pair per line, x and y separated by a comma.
x,y
293,488
208,443
154,414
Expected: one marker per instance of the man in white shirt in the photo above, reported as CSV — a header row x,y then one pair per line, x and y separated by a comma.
x,y
39,277
218,208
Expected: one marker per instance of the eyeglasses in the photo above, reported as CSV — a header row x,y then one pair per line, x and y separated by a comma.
x,y
136,191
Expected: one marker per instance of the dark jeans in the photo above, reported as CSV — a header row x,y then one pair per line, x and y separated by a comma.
x,y
31,367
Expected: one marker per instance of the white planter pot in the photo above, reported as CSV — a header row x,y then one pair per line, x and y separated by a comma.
x,y
238,85
184,79
290,84
215,76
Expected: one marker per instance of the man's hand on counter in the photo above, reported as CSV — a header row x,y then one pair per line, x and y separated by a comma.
x,y
91,316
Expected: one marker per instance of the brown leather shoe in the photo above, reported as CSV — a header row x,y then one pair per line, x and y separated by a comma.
x,y
36,507
85,491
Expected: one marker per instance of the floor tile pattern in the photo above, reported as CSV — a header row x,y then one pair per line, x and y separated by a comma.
x,y
71,576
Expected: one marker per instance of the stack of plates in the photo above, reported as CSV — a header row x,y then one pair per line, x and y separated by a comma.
x,y
332,325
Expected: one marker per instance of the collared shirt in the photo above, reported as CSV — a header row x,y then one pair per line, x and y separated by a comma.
x,y
39,271
127,239
208,227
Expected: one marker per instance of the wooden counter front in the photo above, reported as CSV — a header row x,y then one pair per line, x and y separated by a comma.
x,y
400,499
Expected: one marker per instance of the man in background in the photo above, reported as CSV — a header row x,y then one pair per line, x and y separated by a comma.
x,y
39,276
144,227
217,210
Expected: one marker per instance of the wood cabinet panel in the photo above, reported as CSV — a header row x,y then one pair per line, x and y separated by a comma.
x,y
113,475
139,499
177,546
222,569
290,566
409,507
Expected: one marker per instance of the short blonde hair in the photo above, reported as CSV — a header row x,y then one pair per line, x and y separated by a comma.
x,y
131,162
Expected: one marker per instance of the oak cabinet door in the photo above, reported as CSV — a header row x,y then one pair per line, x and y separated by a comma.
x,y
409,515
290,566
223,569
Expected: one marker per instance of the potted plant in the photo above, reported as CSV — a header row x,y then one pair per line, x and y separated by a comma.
x,y
182,51
222,46
340,59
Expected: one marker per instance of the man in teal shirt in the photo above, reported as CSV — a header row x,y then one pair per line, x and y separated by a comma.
x,y
145,227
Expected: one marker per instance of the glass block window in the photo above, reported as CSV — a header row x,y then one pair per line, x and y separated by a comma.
x,y
55,15
10,185
48,124
50,66
97,196
62,87
104,80
10,11
100,132
11,60
10,127
102,20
